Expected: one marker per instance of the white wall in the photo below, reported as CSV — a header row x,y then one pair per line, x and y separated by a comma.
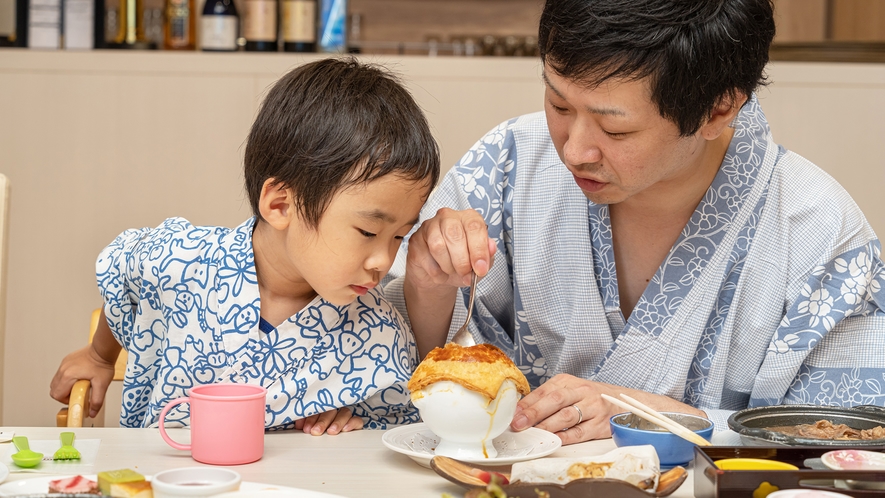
x,y
97,142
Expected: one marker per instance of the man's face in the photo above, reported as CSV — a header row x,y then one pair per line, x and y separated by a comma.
x,y
615,142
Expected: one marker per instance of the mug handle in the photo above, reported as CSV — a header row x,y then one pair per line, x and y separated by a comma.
x,y
169,441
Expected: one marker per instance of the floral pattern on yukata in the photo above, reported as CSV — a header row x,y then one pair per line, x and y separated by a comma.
x,y
184,302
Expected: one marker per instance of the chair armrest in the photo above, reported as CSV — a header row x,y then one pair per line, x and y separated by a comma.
x,y
78,406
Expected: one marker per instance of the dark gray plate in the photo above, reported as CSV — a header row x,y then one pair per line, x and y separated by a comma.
x,y
751,424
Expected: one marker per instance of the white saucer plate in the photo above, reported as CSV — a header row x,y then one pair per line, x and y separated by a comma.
x,y
854,460
418,443
4,472
40,486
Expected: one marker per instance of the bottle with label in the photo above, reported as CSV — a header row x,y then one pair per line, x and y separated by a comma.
x,y
299,25
260,25
219,26
333,24
181,23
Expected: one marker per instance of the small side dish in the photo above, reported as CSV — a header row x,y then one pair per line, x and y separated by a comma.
x,y
637,465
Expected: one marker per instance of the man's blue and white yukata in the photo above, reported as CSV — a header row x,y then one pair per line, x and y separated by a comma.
x,y
774,292
184,302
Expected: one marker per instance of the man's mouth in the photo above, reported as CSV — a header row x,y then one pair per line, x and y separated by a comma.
x,y
588,185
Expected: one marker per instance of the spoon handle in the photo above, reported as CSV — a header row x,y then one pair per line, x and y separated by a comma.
x,y
21,443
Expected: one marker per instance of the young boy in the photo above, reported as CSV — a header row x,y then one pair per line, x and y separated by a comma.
x,y
338,164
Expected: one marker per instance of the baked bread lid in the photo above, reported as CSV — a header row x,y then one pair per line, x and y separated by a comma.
x,y
481,368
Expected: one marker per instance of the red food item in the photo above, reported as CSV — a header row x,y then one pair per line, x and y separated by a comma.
x,y
488,476
73,485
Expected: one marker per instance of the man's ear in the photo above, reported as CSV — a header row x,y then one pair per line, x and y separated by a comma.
x,y
723,113
275,204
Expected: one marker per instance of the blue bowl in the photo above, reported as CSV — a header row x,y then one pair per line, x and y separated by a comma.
x,y
630,430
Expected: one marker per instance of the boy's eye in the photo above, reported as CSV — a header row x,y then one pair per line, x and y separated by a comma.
x,y
365,233
561,110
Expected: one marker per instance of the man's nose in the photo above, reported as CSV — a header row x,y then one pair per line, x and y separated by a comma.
x,y
581,147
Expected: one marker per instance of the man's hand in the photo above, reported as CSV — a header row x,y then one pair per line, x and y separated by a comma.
x,y
85,363
573,409
443,255
448,248
331,422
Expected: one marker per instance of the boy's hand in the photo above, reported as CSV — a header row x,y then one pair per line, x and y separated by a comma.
x,y
331,422
84,363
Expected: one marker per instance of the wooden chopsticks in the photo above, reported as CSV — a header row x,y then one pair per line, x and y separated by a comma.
x,y
649,414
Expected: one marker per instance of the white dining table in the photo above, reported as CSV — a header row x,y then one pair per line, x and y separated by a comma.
x,y
352,465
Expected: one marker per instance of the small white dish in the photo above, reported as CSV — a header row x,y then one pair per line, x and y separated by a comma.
x,y
4,472
854,460
418,442
194,482
40,486
35,485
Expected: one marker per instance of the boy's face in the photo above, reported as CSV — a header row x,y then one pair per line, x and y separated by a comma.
x,y
615,142
357,238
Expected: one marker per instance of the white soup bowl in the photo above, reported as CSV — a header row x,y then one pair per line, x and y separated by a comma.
x,y
466,421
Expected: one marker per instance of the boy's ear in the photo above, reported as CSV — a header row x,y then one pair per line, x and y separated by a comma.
x,y
275,204
723,113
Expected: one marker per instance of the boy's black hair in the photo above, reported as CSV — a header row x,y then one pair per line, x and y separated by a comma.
x,y
334,123
695,52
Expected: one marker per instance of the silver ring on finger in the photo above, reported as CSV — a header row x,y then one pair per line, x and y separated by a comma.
x,y
580,415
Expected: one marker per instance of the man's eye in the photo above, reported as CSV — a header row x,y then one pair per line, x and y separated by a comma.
x,y
365,233
615,135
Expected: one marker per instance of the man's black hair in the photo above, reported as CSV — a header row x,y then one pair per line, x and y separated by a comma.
x,y
694,52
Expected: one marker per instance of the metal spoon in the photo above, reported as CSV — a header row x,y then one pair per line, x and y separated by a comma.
x,y
25,458
463,337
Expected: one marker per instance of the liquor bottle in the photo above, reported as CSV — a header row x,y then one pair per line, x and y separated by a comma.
x,y
181,24
260,25
299,25
219,26
333,24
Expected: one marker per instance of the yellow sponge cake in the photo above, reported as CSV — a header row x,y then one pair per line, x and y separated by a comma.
x,y
107,478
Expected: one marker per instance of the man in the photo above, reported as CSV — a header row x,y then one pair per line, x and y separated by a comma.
x,y
648,235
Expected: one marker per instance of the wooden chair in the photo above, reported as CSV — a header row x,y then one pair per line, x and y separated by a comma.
x,y
78,406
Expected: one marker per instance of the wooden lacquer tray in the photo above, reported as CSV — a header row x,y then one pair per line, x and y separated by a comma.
x,y
712,482
464,474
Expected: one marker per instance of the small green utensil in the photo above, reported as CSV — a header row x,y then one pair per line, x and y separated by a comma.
x,y
25,458
67,450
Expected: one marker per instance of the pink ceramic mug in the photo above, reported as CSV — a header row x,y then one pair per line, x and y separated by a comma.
x,y
227,423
